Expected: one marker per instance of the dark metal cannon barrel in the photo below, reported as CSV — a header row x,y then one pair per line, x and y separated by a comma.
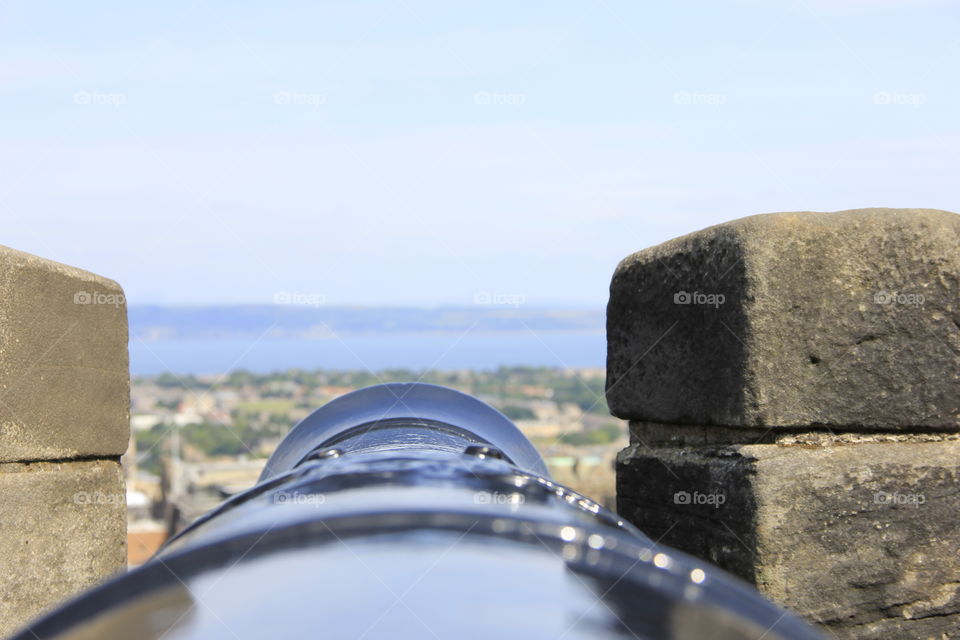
x,y
412,510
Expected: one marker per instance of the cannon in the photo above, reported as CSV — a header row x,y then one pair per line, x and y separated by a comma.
x,y
410,510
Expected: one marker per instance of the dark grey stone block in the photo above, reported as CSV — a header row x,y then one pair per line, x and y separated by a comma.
x,y
847,319
858,534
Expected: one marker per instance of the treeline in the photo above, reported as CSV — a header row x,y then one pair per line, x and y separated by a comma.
x,y
506,383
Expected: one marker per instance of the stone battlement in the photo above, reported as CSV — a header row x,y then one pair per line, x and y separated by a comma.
x,y
793,386
64,423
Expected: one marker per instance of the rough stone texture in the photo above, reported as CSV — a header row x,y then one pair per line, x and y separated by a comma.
x,y
806,334
861,536
63,529
64,378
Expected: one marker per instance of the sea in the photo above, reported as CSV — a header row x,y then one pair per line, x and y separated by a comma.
x,y
369,351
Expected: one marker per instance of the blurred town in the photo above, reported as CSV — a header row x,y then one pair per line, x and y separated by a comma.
x,y
197,440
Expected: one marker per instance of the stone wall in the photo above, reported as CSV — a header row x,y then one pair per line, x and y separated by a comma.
x,y
793,386
64,423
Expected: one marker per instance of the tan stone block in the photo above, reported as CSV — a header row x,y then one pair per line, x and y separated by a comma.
x,y
64,372
63,529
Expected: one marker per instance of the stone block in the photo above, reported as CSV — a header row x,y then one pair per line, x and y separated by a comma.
x,y
842,320
64,373
858,532
63,529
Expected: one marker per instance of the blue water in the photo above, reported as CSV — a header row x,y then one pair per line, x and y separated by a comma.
x,y
370,352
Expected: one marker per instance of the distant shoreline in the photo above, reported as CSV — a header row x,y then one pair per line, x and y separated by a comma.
x,y
381,333
153,323
370,350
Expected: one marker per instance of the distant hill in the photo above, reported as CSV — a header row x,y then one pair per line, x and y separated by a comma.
x,y
157,322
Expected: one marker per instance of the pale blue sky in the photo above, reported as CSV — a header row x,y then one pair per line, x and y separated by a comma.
x,y
418,153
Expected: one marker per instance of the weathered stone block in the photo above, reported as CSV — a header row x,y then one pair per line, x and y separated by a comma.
x,y
858,532
64,379
63,529
848,319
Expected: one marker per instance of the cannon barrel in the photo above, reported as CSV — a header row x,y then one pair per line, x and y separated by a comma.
x,y
413,510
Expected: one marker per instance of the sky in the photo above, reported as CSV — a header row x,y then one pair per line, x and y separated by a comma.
x,y
435,153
